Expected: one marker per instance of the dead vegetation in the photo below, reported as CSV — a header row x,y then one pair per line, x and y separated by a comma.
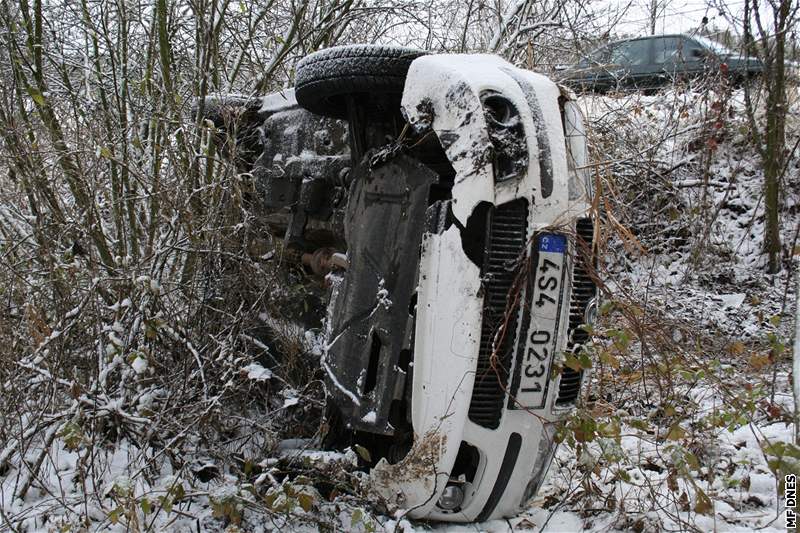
x,y
690,399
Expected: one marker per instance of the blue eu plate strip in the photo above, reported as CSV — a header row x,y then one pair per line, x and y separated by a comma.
x,y
551,242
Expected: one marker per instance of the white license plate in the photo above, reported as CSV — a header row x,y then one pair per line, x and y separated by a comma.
x,y
533,368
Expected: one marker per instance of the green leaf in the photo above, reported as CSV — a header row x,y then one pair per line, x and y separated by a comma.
x,y
562,433
306,501
692,461
363,453
572,362
676,432
623,475
356,517
608,359
585,430
37,96
781,449
147,508
72,435
621,339
610,429
105,152
270,498
166,503
783,458
178,491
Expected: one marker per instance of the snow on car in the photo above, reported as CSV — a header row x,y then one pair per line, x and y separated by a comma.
x,y
454,229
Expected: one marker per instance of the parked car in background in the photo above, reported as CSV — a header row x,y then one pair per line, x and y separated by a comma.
x,y
446,200
657,61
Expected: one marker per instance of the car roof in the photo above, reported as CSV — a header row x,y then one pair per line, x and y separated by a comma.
x,y
650,37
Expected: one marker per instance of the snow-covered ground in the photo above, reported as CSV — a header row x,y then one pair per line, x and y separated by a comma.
x,y
682,424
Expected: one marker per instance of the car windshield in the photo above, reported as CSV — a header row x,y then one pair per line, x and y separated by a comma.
x,y
631,52
712,45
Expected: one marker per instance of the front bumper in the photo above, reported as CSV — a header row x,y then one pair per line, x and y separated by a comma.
x,y
462,392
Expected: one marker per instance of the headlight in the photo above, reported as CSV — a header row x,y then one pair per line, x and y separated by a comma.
x,y
509,147
452,497
590,314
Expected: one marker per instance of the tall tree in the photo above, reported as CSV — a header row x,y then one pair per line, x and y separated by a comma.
x,y
766,39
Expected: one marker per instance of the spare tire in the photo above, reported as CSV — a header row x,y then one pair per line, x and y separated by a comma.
x,y
326,77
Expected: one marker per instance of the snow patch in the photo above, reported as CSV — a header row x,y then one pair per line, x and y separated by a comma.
x,y
256,372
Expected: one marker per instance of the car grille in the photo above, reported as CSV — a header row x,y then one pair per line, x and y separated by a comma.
x,y
505,244
583,290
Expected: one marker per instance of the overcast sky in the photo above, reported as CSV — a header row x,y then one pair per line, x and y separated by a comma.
x,y
677,16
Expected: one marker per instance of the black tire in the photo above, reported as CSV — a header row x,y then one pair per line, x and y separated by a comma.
x,y
326,77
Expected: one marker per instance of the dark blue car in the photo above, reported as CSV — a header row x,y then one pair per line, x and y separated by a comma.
x,y
656,61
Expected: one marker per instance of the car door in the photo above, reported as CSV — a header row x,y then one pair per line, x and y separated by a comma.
x,y
668,59
696,57
632,64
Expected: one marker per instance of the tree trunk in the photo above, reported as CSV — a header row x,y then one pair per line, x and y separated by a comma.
x,y
775,140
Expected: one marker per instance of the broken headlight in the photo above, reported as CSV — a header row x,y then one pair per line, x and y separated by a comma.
x,y
509,149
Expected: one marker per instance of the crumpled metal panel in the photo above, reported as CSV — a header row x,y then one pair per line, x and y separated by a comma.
x,y
369,314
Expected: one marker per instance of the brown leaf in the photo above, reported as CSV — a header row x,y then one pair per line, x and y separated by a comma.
x,y
736,348
773,410
684,501
672,481
75,391
703,503
759,361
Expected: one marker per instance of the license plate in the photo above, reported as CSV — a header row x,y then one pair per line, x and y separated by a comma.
x,y
544,308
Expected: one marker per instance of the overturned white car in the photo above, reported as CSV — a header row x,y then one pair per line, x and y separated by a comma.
x,y
447,199
466,283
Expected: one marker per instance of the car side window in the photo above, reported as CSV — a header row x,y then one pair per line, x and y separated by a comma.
x,y
667,49
631,53
599,56
693,51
